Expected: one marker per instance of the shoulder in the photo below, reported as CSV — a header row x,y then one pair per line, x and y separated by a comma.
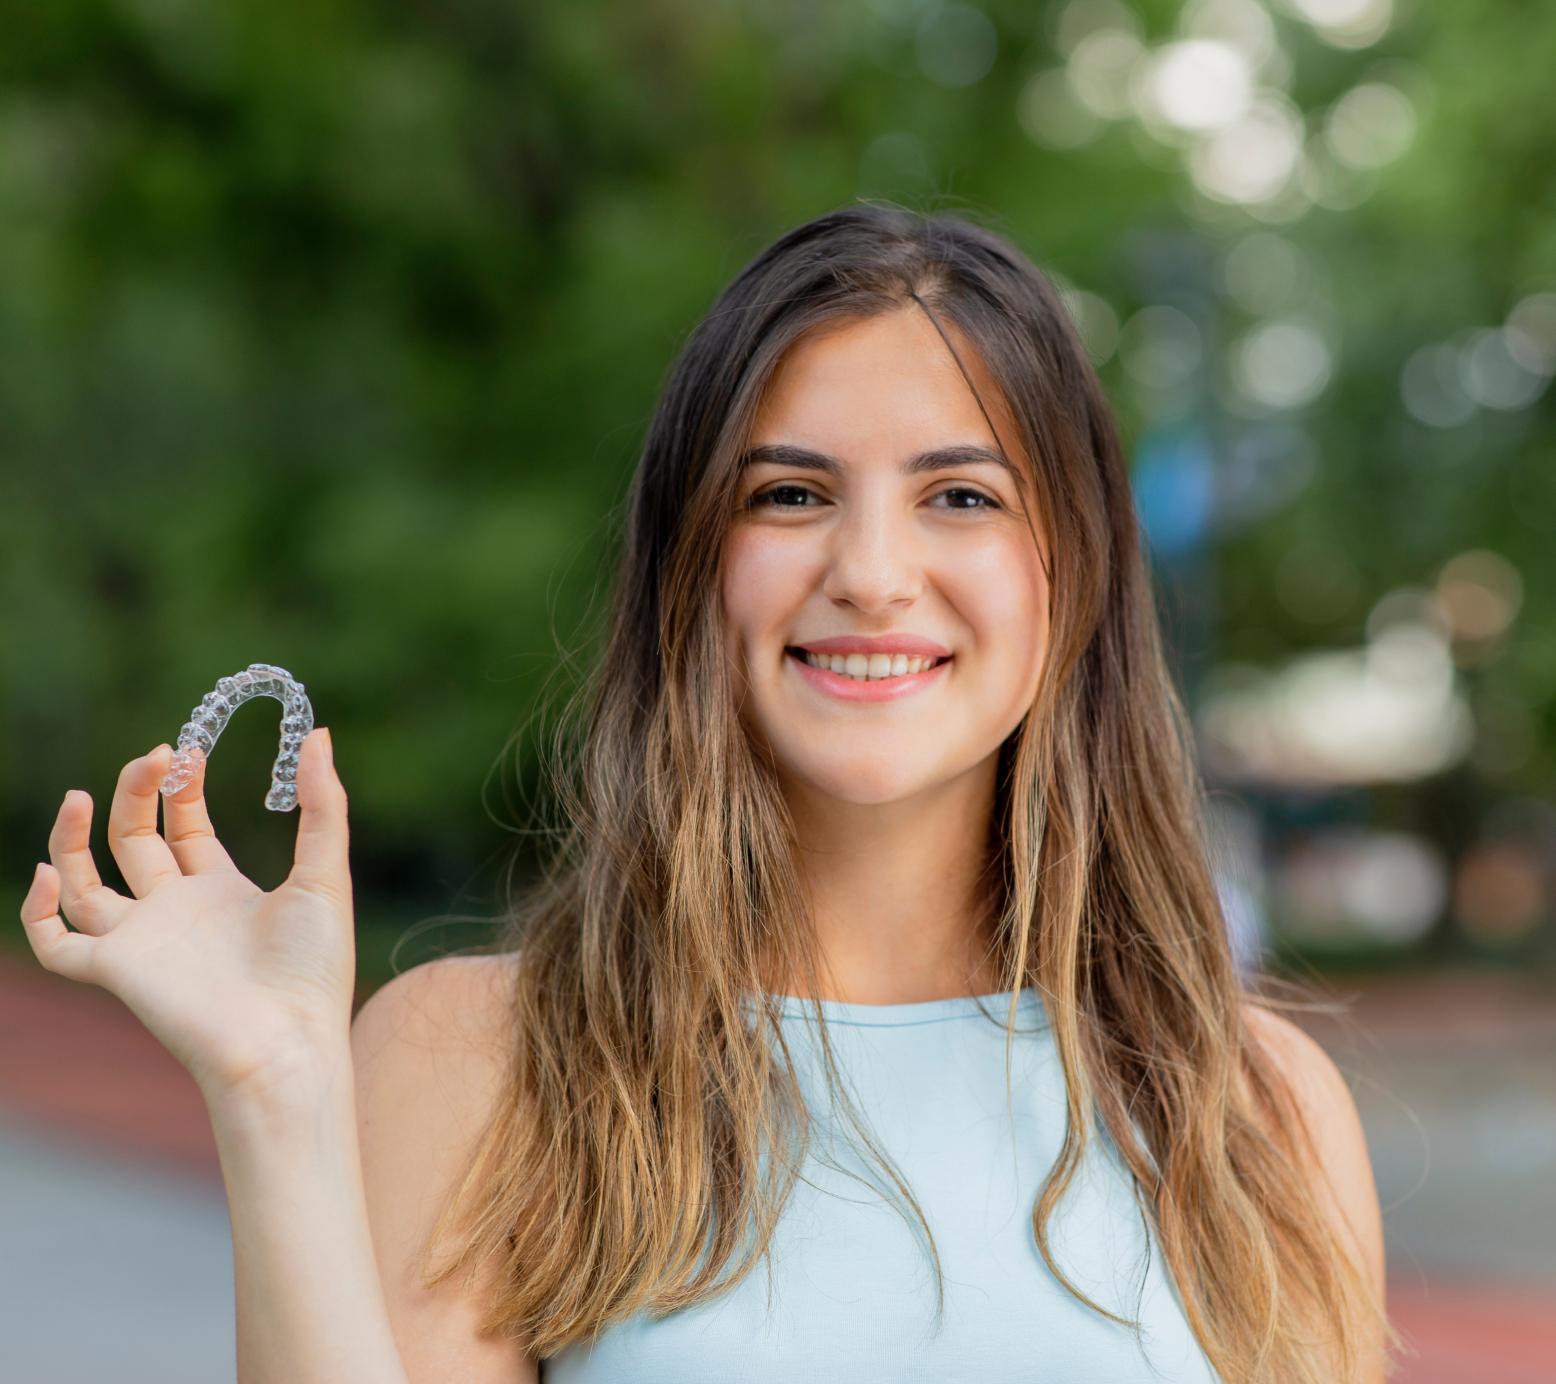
x,y
1298,1056
430,1053
1342,1168
454,1002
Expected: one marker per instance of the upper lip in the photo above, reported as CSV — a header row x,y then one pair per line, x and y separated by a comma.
x,y
910,644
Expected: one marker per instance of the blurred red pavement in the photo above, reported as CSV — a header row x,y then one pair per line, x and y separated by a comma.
x,y
75,1061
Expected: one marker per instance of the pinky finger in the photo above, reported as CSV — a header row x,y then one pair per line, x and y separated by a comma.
x,y
57,948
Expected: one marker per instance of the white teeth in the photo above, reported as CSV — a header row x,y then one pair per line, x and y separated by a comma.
x,y
868,667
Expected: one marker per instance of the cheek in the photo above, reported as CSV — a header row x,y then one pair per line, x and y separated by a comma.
x,y
761,574
1002,590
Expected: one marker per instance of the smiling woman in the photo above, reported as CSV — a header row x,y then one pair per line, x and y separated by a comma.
x,y
886,823
882,743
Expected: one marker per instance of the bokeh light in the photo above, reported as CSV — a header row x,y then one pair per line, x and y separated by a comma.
x,y
1494,375
1253,158
1282,363
1390,711
1195,84
1261,271
1431,388
1387,886
1499,891
1531,333
1161,347
1480,592
1095,319
1344,23
1082,18
1372,124
1101,69
1243,24
1050,114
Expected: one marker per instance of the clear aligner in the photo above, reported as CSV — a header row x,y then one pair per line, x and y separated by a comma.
x,y
207,721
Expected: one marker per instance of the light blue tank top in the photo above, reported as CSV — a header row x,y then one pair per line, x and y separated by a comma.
x,y
853,1293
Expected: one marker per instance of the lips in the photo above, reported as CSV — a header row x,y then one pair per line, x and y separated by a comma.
x,y
848,689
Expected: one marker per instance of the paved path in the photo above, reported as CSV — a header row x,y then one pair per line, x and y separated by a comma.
x,y
115,1249
1455,1080
74,1059
112,1268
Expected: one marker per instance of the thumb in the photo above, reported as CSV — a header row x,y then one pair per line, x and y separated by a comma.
x,y
321,863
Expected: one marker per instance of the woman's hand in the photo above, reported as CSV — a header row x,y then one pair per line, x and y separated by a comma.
x,y
241,986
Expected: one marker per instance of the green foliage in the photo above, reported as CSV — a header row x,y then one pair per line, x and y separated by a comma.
x,y
328,333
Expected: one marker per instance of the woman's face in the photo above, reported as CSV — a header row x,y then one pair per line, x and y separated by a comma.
x,y
872,545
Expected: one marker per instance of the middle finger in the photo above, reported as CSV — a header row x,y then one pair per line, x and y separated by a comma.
x,y
187,825
143,856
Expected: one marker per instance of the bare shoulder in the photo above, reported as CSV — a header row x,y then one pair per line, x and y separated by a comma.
x,y
1343,1175
1299,1057
431,1051
452,1003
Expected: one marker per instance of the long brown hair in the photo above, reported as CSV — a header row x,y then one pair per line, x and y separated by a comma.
x,y
651,1127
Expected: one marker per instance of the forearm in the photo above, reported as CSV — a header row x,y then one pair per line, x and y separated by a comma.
x,y
310,1305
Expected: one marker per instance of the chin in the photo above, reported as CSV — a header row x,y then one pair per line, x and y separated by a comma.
x,y
862,789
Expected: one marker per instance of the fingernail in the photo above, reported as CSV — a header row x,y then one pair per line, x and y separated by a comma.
x,y
329,745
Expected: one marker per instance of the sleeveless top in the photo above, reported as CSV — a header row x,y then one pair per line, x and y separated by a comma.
x,y
851,1279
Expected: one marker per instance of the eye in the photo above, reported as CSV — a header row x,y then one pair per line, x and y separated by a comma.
x,y
988,501
765,498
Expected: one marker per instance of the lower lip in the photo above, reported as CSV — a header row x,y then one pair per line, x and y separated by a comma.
x,y
858,690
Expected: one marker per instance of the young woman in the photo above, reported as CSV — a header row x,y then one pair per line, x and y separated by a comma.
x,y
881,950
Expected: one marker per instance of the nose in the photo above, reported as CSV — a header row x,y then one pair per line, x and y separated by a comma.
x,y
874,560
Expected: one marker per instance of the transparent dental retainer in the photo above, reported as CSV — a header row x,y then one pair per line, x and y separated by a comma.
x,y
207,721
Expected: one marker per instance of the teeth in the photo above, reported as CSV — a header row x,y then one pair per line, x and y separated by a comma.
x,y
869,667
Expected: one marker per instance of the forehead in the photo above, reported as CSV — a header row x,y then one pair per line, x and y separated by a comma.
x,y
887,381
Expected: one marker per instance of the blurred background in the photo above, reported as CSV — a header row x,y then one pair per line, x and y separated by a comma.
x,y
328,335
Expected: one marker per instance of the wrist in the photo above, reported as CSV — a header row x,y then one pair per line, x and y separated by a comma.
x,y
291,1084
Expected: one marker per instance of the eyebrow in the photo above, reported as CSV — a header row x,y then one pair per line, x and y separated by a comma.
x,y
938,459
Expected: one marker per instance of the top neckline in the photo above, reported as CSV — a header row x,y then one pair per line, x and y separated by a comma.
x,y
1028,1008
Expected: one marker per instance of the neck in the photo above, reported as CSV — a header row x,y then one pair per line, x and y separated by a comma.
x,y
898,892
